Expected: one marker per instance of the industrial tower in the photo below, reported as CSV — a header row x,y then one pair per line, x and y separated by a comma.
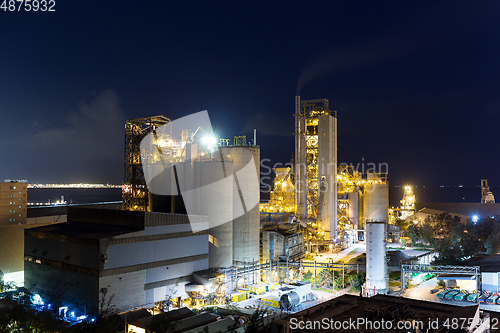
x,y
315,171
135,194
486,195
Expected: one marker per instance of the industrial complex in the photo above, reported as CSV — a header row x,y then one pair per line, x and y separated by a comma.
x,y
191,231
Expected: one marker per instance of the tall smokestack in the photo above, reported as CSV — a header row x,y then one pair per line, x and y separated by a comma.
x,y
255,137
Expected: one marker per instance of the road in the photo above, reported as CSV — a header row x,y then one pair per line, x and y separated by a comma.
x,y
353,251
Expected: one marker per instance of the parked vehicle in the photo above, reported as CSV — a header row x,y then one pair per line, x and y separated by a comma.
x,y
452,293
461,296
441,294
472,297
433,291
492,299
484,296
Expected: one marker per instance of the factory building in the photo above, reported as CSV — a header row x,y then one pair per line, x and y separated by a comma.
x,y
137,258
316,163
13,202
278,243
490,271
187,170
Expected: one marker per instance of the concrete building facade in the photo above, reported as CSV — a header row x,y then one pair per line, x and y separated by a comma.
x,y
13,195
132,259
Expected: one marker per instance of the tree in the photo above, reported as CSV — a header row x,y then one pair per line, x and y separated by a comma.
x,y
325,278
492,243
338,283
402,224
413,233
306,277
357,280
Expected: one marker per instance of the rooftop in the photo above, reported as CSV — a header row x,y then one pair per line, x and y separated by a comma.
x,y
487,262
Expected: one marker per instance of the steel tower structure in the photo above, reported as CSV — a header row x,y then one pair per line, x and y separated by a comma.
x,y
135,194
316,163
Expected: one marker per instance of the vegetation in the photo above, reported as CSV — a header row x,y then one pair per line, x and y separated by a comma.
x,y
306,277
456,241
325,278
357,280
338,283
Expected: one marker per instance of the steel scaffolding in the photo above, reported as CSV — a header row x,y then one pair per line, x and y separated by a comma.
x,y
135,194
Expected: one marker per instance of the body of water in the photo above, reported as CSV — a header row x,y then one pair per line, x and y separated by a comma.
x,y
422,194
75,196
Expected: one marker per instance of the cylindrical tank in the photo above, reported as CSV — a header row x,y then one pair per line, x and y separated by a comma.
x,y
353,198
213,197
289,300
246,197
376,203
376,261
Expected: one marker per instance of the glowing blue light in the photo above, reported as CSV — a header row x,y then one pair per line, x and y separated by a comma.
x,y
49,305
475,218
72,314
37,299
92,320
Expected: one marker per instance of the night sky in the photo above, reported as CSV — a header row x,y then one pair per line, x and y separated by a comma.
x,y
415,84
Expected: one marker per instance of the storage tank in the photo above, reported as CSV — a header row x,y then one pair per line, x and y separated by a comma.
x,y
246,215
376,261
353,198
213,196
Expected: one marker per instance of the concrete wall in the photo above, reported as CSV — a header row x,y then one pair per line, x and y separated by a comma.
x,y
126,290
77,254
62,287
490,281
47,219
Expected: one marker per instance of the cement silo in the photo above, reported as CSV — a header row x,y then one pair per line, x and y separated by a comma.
x,y
246,197
376,201
214,190
376,260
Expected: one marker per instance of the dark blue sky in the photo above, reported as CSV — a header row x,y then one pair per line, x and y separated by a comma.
x,y
415,84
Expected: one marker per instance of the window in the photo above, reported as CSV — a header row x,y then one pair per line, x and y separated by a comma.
x,y
11,195
19,215
11,210
14,195
19,206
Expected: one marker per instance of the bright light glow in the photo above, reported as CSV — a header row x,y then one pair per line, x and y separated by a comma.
x,y
209,141
475,218
37,300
